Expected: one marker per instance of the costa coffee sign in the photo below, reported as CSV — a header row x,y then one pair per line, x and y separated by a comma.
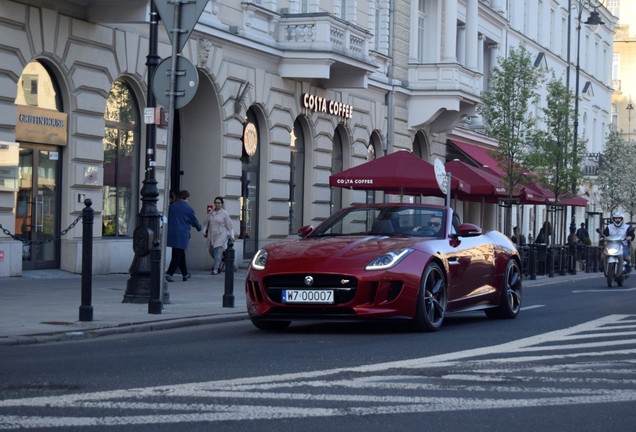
x,y
323,105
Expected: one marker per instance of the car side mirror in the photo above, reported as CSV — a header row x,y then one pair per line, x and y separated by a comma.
x,y
305,231
468,230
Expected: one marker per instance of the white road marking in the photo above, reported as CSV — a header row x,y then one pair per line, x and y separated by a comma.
x,y
604,290
374,390
524,308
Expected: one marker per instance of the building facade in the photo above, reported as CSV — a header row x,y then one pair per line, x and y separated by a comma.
x,y
287,93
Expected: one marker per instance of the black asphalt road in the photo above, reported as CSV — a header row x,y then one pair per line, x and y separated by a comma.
x,y
565,364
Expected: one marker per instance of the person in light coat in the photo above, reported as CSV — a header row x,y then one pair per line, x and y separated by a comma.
x,y
217,230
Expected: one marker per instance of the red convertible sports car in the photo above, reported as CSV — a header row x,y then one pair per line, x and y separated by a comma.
x,y
369,262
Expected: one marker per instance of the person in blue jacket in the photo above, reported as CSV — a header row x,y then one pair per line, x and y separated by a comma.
x,y
181,219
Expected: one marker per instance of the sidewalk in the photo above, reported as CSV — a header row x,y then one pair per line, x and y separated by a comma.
x,y
43,305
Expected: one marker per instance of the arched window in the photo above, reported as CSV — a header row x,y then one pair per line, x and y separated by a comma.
x,y
336,167
296,177
372,153
121,139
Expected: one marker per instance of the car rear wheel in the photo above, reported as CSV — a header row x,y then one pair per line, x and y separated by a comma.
x,y
510,303
431,301
270,325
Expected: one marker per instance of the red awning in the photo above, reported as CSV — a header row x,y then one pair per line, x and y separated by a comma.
x,y
401,173
576,201
483,184
532,193
480,155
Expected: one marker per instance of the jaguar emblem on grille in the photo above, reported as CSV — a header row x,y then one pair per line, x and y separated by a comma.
x,y
309,281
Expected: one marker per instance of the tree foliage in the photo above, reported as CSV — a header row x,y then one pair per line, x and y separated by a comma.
x,y
555,157
506,109
615,175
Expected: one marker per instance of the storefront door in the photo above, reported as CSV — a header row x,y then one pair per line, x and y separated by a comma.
x,y
37,206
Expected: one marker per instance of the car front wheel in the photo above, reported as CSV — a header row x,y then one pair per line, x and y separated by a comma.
x,y
431,301
510,303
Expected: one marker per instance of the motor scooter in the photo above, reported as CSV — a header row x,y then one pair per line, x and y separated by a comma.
x,y
614,266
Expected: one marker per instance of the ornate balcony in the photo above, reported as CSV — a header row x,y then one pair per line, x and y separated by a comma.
x,y
320,46
591,164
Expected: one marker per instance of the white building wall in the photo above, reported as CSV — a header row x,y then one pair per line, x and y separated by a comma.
x,y
237,43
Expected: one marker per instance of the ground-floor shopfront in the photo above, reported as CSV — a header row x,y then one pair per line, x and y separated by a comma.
x,y
73,127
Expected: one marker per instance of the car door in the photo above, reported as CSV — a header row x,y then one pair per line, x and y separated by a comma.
x,y
471,262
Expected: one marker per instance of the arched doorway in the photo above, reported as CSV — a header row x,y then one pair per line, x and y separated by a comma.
x,y
41,132
250,172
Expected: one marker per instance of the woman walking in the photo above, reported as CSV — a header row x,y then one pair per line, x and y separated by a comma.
x,y
218,229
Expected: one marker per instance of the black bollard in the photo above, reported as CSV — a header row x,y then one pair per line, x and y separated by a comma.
x,y
549,262
532,263
228,295
86,309
573,260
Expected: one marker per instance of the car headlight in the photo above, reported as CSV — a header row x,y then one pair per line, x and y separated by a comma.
x,y
388,260
259,260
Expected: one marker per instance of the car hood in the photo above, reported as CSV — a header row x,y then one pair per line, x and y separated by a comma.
x,y
309,252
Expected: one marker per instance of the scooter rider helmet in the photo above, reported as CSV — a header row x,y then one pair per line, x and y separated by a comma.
x,y
617,218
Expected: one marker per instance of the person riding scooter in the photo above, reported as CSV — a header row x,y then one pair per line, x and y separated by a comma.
x,y
620,229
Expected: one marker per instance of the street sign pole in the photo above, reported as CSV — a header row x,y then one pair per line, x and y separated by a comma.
x,y
149,238
176,34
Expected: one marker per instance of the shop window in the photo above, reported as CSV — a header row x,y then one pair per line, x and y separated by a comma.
x,y
336,167
121,137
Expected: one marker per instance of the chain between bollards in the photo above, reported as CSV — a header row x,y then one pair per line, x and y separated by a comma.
x,y
228,295
86,308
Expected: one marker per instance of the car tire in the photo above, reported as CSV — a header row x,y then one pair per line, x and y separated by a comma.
x,y
431,300
510,302
270,325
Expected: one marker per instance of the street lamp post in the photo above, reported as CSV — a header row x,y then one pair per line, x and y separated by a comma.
x,y
595,20
143,286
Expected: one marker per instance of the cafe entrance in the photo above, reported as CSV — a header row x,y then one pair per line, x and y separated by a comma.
x,y
37,206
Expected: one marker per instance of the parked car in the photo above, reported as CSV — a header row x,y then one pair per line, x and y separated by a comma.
x,y
385,261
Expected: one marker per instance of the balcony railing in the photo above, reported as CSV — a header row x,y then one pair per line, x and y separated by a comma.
x,y
323,32
591,164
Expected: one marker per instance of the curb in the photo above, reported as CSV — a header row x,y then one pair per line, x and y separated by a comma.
x,y
133,327
558,279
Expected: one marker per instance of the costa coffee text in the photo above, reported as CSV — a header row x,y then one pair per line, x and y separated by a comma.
x,y
323,105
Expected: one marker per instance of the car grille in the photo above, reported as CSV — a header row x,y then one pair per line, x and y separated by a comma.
x,y
344,286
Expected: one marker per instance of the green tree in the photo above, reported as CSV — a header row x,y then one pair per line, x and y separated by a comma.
x,y
556,160
506,109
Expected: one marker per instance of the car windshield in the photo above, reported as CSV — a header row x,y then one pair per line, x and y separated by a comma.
x,y
421,221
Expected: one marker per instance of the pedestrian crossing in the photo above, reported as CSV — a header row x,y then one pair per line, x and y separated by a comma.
x,y
590,363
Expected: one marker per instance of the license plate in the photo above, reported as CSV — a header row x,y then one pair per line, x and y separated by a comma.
x,y
308,296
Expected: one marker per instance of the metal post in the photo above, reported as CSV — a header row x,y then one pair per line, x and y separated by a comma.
x,y
532,263
228,295
86,308
549,262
